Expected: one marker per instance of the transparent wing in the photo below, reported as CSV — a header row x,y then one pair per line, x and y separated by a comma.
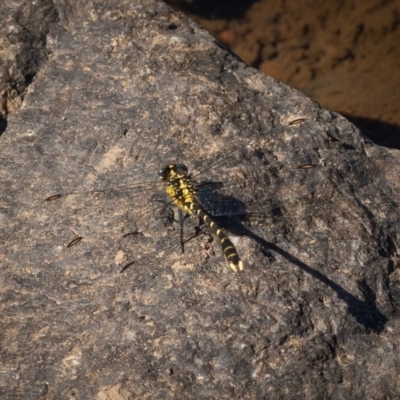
x,y
284,200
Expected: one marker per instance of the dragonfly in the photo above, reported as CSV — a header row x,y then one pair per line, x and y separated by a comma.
x,y
240,184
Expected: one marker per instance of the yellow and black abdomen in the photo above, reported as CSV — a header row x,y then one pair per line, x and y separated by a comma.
x,y
228,247
183,193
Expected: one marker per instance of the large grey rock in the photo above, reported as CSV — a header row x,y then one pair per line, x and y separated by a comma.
x,y
130,86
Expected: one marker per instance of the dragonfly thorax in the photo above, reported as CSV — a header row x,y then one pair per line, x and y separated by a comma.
x,y
179,186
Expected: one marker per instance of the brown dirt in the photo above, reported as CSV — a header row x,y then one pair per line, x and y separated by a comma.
x,y
343,54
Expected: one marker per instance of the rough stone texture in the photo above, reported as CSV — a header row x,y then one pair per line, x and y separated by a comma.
x,y
129,86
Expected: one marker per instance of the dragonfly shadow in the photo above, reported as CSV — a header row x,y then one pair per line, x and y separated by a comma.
x,y
364,311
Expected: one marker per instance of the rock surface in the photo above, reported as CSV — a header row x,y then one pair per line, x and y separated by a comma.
x,y
127,87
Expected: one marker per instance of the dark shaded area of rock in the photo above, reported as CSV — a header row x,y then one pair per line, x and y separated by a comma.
x,y
127,88
23,29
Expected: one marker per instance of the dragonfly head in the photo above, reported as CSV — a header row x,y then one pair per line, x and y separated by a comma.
x,y
171,171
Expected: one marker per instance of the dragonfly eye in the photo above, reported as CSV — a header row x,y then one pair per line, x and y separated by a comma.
x,y
181,169
163,174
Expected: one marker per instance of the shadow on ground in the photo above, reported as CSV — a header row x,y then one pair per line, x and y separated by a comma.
x,y
381,133
364,311
210,9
